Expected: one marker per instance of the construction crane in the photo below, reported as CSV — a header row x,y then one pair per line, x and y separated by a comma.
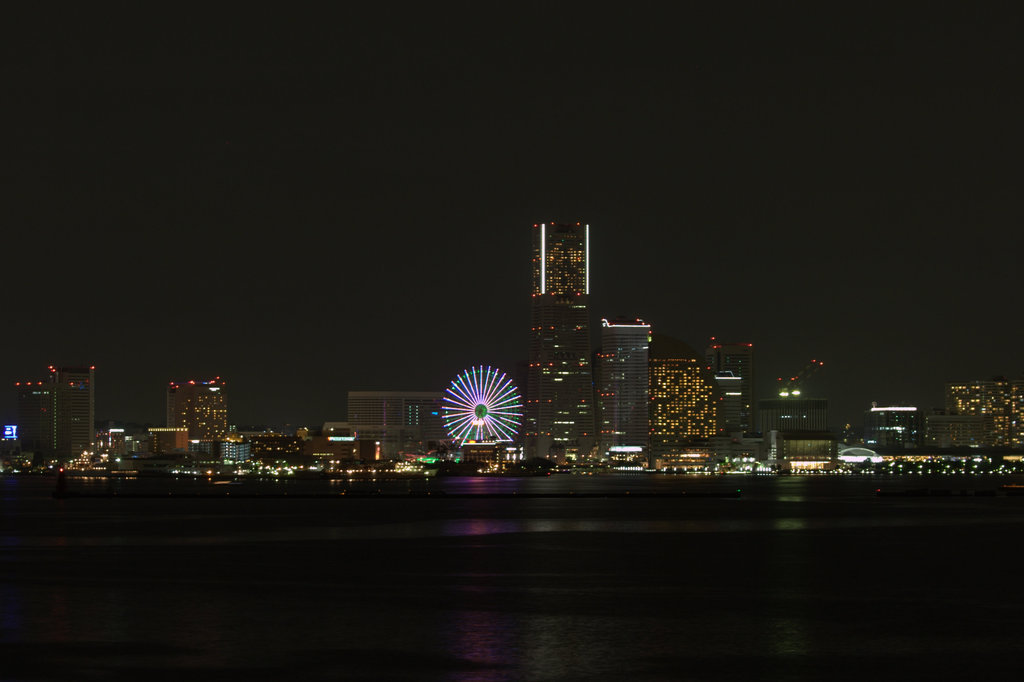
x,y
791,387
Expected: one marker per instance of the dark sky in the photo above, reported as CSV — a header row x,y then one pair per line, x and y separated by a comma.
x,y
311,204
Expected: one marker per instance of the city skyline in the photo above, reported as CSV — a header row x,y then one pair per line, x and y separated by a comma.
x,y
311,207
762,389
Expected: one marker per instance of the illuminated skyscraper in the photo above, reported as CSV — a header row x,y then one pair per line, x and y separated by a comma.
x,y
560,388
999,401
729,362
682,405
622,386
199,406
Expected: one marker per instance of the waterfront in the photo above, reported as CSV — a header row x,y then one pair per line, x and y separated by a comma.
x,y
803,577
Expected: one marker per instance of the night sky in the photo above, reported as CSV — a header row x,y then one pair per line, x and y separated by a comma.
x,y
312,204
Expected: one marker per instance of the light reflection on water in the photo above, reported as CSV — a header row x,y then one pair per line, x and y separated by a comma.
x,y
530,588
463,527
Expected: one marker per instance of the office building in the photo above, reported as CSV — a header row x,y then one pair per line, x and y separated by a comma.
x,y
200,407
37,417
622,381
796,432
682,404
112,442
733,366
944,430
898,426
170,440
278,449
729,403
402,422
58,415
220,451
803,450
793,414
76,410
560,414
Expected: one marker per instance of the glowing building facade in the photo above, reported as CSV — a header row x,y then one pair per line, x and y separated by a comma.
x,y
199,406
622,382
560,419
1000,404
682,399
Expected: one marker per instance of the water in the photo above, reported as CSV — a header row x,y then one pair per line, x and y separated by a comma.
x,y
800,578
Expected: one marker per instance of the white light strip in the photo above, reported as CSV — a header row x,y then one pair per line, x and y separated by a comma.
x,y
543,255
586,262
606,323
894,409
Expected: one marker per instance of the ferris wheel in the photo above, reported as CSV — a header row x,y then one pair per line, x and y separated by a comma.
x,y
483,405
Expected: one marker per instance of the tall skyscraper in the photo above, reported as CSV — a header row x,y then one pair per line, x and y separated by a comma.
x,y
999,401
731,361
37,417
621,378
682,405
560,420
199,406
58,415
76,409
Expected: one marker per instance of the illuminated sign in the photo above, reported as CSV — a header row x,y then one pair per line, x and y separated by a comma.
x,y
344,439
10,431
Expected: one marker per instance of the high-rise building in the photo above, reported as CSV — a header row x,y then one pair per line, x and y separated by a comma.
x,y
76,409
897,426
37,417
729,401
621,378
560,420
199,406
403,422
732,361
954,430
682,404
58,415
999,401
